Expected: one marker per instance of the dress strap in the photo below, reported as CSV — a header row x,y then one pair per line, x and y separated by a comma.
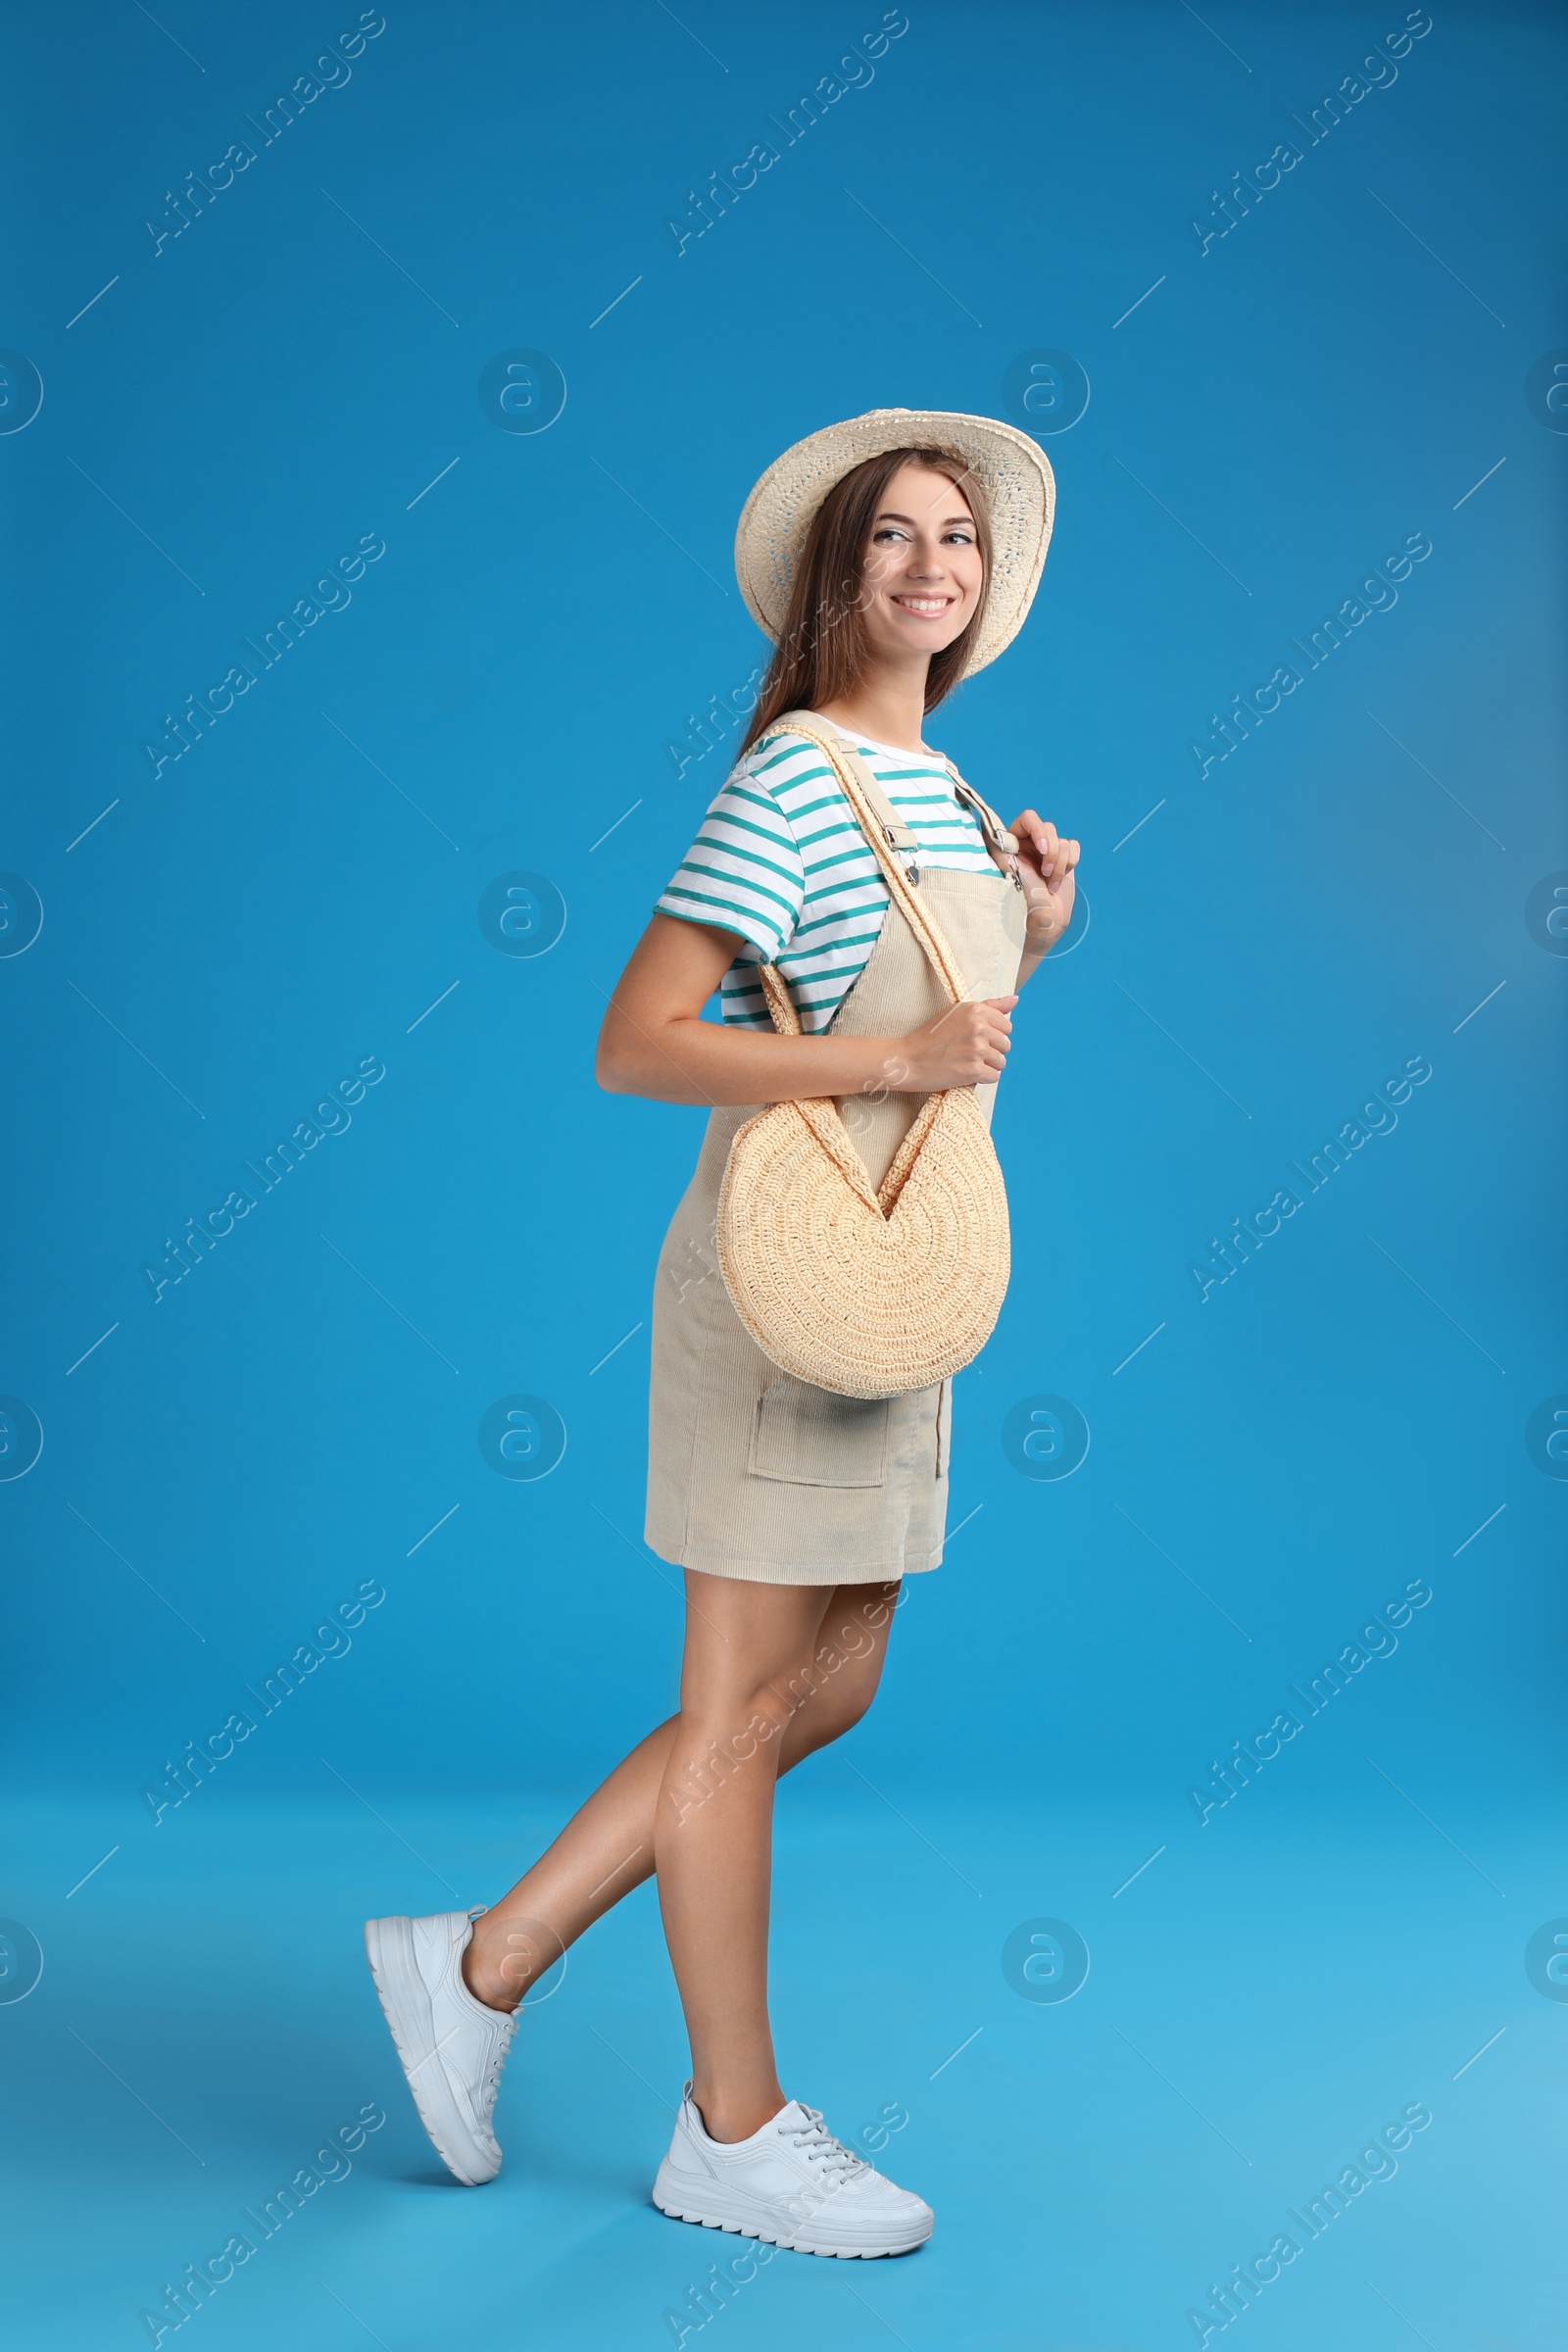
x,y
1003,843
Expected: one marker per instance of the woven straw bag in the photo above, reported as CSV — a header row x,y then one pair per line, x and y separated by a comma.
x,y
867,1292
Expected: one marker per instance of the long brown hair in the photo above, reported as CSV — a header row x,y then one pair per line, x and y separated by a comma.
x,y
822,652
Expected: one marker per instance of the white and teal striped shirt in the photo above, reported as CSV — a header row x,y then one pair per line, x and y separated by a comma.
x,y
781,860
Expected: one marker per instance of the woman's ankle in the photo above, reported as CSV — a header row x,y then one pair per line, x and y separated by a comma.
x,y
730,2117
484,1979
506,1957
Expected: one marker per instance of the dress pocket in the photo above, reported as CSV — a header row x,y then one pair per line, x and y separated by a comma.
x,y
815,1437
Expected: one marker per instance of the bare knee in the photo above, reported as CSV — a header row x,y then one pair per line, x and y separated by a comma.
x,y
720,1738
842,1710
744,1711
850,1656
841,1690
733,1709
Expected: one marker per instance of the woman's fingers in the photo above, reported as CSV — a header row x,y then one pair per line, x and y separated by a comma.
x,y
1055,856
979,1040
1031,829
968,1044
995,1031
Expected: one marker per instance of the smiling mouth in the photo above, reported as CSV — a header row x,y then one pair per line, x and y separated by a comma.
x,y
927,608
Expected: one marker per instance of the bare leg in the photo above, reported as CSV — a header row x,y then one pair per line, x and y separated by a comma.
x,y
748,1649
608,1846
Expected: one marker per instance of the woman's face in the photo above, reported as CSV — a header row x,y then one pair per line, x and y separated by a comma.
x,y
923,574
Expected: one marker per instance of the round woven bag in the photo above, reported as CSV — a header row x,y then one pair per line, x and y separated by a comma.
x,y
867,1292
853,1291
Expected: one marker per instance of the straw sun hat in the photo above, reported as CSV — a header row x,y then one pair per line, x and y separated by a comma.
x,y
1019,488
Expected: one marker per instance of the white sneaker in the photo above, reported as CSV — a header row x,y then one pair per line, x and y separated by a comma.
x,y
453,2047
790,2184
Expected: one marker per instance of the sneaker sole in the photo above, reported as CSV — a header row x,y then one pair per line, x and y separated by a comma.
x,y
735,2216
405,2005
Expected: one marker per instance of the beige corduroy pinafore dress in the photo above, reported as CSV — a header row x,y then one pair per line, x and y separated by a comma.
x,y
752,1473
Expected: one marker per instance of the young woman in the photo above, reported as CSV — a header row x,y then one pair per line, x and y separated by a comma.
x,y
889,557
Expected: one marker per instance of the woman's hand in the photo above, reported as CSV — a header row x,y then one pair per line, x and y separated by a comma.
x,y
965,1046
1046,869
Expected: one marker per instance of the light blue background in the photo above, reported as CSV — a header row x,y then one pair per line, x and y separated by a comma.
x,y
1277,939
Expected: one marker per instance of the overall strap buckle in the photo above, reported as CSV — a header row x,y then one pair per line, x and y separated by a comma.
x,y
1002,845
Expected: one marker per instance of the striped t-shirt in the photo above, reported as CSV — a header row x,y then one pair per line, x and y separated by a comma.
x,y
781,860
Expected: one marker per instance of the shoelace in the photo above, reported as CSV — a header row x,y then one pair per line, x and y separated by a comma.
x,y
823,2152
492,2081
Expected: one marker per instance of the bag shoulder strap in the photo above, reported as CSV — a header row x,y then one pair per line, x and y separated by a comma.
x,y
885,834
895,831
899,835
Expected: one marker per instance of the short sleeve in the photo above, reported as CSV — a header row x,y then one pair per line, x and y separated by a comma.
x,y
743,870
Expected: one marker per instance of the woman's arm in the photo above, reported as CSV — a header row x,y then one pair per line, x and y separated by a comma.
x,y
655,1041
